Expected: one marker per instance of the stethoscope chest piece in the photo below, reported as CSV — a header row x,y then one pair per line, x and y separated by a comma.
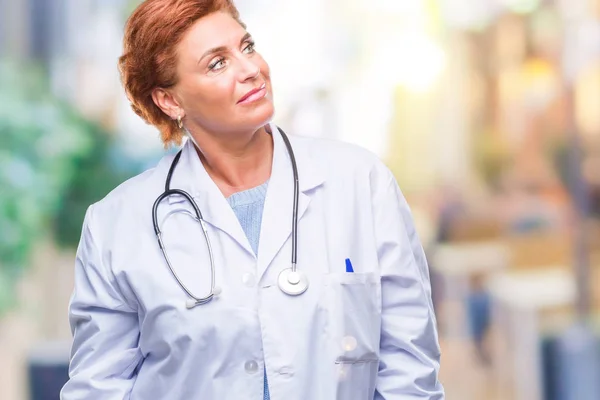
x,y
292,282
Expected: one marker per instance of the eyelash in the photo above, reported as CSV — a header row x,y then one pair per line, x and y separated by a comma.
x,y
251,45
214,64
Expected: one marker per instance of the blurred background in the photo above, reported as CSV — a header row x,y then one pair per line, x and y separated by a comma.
x,y
487,111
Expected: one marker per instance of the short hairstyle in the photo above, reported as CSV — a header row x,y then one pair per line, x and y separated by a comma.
x,y
149,58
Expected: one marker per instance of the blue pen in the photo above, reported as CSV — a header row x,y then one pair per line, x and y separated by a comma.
x,y
349,265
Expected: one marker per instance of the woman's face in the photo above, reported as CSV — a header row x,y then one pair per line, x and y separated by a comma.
x,y
223,83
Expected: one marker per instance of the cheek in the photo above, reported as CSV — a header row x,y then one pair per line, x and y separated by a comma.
x,y
209,94
266,73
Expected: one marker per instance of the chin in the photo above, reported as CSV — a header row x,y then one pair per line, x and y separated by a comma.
x,y
259,116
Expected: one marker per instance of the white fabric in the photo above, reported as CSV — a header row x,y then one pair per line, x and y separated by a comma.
x,y
364,335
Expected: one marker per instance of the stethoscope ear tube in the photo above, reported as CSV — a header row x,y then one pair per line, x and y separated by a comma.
x,y
171,170
166,194
295,205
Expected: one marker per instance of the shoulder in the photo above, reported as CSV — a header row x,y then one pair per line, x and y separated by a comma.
x,y
344,161
131,195
325,149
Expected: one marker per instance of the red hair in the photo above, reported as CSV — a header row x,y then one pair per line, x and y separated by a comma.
x,y
149,58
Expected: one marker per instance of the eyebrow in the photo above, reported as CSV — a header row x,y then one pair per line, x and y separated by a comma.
x,y
222,48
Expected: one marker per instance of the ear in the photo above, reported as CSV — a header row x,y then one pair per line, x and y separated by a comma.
x,y
167,102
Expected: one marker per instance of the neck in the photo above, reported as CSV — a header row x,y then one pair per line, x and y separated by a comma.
x,y
236,162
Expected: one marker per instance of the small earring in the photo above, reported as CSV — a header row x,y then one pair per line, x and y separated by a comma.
x,y
179,122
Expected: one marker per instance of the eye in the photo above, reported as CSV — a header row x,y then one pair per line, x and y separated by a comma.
x,y
249,49
217,64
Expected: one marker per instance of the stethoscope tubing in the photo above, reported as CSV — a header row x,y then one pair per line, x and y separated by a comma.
x,y
198,217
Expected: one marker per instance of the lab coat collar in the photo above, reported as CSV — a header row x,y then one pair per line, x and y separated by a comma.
x,y
276,227
191,176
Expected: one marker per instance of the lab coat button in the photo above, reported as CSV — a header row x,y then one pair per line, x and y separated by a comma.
x,y
248,279
251,367
349,343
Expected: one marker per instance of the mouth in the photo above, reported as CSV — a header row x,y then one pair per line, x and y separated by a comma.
x,y
254,94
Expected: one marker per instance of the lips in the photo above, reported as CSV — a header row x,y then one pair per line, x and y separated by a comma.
x,y
255,94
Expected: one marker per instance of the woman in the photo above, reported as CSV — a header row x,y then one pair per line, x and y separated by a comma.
x,y
354,321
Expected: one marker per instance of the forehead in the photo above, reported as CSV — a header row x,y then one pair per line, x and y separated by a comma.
x,y
214,30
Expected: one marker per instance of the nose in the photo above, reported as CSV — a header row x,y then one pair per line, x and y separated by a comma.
x,y
248,70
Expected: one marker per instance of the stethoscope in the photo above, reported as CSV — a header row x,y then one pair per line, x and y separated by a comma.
x,y
290,280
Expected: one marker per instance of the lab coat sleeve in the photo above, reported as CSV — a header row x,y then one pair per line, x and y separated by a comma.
x,y
409,348
105,352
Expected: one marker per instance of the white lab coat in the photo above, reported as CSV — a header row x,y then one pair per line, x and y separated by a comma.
x,y
365,335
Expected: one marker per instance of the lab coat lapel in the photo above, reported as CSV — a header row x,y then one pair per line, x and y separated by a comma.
x,y
190,175
276,226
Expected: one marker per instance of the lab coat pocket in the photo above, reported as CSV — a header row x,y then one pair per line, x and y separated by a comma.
x,y
356,380
354,309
